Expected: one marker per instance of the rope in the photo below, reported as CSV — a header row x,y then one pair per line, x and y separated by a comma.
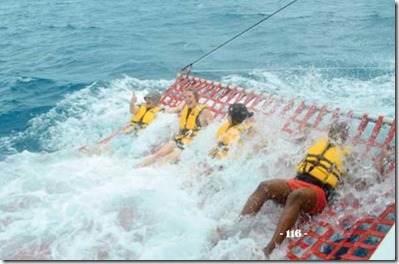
x,y
294,69
187,68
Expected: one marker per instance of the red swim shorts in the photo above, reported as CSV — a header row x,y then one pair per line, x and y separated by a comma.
x,y
321,201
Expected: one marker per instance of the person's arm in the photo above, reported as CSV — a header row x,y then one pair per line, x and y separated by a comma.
x,y
382,161
350,175
176,109
251,132
355,175
133,107
206,117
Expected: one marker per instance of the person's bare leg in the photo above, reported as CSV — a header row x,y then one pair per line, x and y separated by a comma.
x,y
97,149
300,200
172,156
277,190
165,150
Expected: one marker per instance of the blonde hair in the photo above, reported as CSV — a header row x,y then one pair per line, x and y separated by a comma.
x,y
194,91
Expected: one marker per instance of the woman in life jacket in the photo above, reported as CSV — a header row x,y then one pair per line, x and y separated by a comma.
x,y
233,131
318,176
193,117
143,114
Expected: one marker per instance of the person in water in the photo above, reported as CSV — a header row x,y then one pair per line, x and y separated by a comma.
x,y
233,131
144,114
194,116
318,175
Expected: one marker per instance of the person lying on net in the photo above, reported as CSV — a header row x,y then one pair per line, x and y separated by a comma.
x,y
318,176
237,135
144,114
194,117
237,127
231,137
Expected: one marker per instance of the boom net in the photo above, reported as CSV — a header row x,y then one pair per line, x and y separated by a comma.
x,y
372,134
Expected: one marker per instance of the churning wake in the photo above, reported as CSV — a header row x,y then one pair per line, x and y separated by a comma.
x,y
59,203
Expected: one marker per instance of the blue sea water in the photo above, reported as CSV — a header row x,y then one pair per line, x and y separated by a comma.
x,y
52,48
67,69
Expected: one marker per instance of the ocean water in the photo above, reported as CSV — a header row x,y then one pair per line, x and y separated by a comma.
x,y
67,70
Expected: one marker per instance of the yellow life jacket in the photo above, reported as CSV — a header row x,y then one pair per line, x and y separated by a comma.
x,y
142,118
227,135
324,161
189,123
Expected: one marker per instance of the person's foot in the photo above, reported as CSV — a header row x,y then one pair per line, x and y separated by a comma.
x,y
128,129
216,236
91,151
268,250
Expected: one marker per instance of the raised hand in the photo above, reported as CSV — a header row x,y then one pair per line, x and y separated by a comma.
x,y
133,100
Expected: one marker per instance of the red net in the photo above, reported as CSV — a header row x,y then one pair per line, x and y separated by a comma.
x,y
357,241
373,134
361,237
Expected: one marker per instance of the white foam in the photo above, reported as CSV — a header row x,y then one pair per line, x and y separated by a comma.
x,y
373,95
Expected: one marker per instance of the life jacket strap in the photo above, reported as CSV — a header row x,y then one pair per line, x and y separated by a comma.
x,y
329,169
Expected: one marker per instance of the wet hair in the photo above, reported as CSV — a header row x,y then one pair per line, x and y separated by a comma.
x,y
339,130
154,96
194,91
238,113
